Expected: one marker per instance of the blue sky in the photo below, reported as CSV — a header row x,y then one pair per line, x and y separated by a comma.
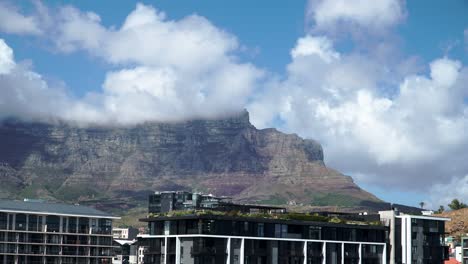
x,y
415,38
268,30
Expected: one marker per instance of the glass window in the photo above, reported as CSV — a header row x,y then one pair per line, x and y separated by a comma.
x,y
35,223
83,225
64,224
3,220
315,232
72,225
260,229
277,230
10,221
104,226
20,222
53,223
284,230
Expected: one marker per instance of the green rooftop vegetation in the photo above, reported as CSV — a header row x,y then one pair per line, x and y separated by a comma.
x,y
313,217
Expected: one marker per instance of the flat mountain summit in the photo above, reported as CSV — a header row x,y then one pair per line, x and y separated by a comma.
x,y
227,156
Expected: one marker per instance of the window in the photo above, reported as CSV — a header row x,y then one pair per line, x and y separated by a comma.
x,y
315,232
284,230
277,230
53,223
260,229
83,225
20,222
72,225
104,226
3,220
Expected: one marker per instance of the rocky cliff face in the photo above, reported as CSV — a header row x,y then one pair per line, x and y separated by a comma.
x,y
224,157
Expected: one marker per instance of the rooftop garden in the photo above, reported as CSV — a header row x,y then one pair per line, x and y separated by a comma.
x,y
313,217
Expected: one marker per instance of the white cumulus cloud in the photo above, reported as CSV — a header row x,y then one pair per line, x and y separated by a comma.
x,y
7,62
407,138
12,21
163,70
365,14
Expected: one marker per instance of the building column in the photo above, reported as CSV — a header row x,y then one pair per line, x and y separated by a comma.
x,y
342,253
360,253
242,256
406,239
228,251
305,252
384,254
177,250
165,250
324,253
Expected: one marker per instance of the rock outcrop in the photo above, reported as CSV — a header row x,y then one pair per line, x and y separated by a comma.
x,y
225,157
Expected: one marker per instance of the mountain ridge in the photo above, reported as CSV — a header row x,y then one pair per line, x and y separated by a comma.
x,y
226,156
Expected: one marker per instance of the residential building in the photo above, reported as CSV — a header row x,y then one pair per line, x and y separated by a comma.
x,y
125,252
464,250
127,233
215,239
163,202
210,230
243,234
40,232
415,239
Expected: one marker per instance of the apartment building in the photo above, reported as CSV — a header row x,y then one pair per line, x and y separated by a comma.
x,y
415,239
35,232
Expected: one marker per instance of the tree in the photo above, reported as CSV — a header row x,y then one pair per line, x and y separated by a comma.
x,y
456,205
422,204
440,210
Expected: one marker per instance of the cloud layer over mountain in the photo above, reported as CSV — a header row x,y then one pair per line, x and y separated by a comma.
x,y
380,117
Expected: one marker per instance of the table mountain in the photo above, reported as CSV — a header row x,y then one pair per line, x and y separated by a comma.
x,y
228,156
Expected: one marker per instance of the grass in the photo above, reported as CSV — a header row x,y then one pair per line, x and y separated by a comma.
x,y
130,218
334,200
274,200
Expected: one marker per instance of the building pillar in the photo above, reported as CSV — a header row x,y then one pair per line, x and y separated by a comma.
x,y
406,239
305,252
360,253
165,250
44,226
242,256
324,253
228,251
177,250
384,254
342,253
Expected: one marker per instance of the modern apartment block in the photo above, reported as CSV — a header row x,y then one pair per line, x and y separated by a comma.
x,y
243,234
187,229
161,202
415,239
52,233
219,239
